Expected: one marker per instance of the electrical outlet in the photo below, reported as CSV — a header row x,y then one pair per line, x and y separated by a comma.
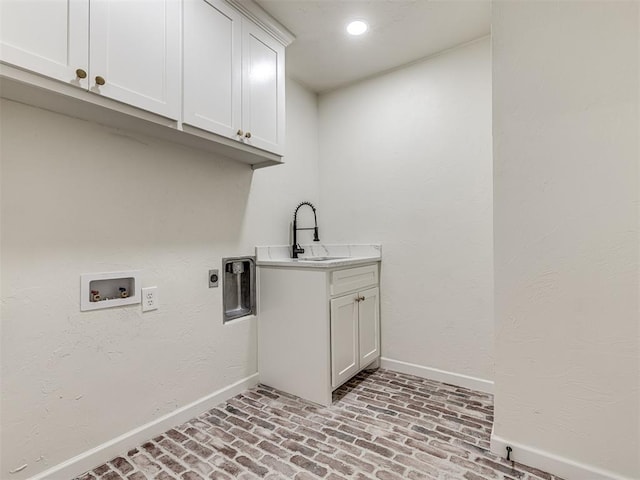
x,y
149,299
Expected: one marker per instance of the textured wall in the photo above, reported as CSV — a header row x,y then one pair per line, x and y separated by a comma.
x,y
80,198
406,161
566,124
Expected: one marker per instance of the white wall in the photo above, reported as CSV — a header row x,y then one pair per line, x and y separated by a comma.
x,y
405,160
566,129
79,198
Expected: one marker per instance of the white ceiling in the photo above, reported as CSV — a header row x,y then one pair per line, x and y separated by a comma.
x,y
323,56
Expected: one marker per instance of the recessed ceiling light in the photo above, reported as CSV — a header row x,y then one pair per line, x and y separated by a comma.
x,y
357,27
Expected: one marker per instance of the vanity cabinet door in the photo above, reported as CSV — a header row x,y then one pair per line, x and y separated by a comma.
x,y
344,339
55,42
135,53
369,326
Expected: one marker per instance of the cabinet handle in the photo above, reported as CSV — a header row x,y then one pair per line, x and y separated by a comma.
x,y
247,135
362,298
239,133
100,80
359,299
80,73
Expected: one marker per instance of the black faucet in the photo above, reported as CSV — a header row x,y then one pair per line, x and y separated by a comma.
x,y
295,248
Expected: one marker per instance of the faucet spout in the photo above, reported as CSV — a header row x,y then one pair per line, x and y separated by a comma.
x,y
295,248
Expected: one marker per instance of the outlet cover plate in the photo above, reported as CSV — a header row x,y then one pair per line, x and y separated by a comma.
x,y
149,299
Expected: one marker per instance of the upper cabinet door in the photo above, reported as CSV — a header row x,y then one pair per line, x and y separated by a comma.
x,y
263,107
49,37
212,36
135,53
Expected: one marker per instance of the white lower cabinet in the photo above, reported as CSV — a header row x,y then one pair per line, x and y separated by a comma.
x,y
355,335
369,326
317,328
344,339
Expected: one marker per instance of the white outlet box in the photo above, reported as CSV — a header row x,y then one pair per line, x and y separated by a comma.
x,y
149,299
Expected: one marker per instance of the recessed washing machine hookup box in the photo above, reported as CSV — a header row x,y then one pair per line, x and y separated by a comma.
x,y
109,289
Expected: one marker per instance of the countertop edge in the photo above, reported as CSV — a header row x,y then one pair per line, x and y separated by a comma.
x,y
328,265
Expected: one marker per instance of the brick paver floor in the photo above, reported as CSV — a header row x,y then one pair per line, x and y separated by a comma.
x,y
382,425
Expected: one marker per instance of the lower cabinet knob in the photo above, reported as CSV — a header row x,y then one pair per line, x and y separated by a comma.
x,y
80,73
100,80
247,135
239,133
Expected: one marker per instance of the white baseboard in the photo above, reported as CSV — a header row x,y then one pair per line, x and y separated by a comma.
x,y
548,462
108,450
438,375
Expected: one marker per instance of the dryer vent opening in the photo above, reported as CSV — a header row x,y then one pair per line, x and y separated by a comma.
x,y
239,287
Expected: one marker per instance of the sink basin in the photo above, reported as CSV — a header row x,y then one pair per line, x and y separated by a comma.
x,y
319,259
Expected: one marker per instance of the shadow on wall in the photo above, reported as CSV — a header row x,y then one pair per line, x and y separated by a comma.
x,y
76,185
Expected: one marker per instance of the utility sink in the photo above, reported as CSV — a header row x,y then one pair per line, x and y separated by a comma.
x,y
319,259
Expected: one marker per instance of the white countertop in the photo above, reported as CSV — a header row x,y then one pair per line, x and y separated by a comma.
x,y
346,256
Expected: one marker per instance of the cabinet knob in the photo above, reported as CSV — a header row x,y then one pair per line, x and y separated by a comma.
x,y
80,73
240,133
247,135
100,80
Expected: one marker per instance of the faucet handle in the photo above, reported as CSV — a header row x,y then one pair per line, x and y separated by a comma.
x,y
295,250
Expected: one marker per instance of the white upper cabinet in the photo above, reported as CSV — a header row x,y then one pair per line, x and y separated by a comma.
x,y
49,37
212,66
135,53
263,108
233,76
125,50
